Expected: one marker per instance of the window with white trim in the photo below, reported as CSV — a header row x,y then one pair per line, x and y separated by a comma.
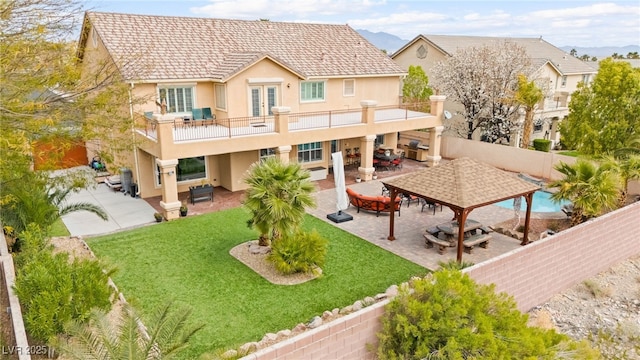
x,y
586,78
564,81
312,91
178,99
267,153
188,169
221,96
349,87
310,152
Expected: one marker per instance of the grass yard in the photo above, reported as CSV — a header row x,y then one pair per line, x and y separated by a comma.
x,y
188,260
58,229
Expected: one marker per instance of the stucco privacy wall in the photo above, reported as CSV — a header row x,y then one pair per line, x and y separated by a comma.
x,y
532,274
14,309
534,163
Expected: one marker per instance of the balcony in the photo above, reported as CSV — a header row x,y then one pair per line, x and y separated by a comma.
x,y
186,130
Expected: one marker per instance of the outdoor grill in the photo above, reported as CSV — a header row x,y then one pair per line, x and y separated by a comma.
x,y
413,144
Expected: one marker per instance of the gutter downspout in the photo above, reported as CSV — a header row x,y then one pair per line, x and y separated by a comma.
x,y
133,137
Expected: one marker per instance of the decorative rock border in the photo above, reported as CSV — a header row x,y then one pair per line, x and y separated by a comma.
x,y
270,339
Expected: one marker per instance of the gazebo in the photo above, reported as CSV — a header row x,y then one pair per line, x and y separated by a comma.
x,y
462,185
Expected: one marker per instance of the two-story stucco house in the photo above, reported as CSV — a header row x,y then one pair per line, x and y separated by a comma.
x,y
561,71
222,94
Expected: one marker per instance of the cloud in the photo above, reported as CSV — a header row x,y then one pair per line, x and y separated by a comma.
x,y
280,9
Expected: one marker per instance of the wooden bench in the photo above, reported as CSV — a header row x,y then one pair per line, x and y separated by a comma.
x,y
431,240
201,193
372,203
478,239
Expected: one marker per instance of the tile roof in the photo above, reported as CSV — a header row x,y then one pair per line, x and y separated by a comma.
x,y
539,50
463,183
204,48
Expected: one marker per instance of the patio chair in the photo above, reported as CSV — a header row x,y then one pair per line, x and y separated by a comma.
x,y
197,114
397,163
409,198
208,116
429,204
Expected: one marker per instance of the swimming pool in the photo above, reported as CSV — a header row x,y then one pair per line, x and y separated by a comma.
x,y
541,203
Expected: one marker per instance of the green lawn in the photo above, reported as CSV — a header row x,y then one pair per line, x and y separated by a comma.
x,y
188,260
59,229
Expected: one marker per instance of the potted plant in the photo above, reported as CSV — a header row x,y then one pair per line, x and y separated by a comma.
x,y
358,179
158,217
374,175
183,210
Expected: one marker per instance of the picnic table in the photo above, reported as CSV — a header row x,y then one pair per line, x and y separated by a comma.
x,y
450,230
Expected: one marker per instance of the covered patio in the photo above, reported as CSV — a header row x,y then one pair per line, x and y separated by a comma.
x,y
462,185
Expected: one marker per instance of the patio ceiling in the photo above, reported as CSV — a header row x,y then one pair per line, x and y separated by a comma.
x,y
462,185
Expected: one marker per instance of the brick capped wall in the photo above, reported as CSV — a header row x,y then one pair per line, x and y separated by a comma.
x,y
536,272
531,274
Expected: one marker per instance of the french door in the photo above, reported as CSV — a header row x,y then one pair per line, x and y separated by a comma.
x,y
263,99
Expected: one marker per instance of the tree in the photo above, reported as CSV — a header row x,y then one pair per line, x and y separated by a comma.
x,y
627,168
604,115
484,80
39,199
165,334
449,316
592,189
529,95
415,88
43,95
277,197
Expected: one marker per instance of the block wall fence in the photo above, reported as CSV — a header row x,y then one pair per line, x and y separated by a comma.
x,y
532,274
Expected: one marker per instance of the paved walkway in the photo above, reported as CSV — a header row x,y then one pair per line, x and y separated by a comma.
x,y
411,224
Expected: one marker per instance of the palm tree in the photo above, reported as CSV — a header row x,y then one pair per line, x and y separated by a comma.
x,y
627,168
38,199
277,197
592,189
164,335
529,95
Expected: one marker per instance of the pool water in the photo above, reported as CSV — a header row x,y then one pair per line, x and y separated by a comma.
x,y
541,203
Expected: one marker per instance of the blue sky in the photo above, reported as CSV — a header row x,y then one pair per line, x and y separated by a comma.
x,y
562,23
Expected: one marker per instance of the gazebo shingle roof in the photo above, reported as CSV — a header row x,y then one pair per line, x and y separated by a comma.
x,y
463,183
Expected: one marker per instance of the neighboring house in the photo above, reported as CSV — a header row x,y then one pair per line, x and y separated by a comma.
x,y
561,71
293,90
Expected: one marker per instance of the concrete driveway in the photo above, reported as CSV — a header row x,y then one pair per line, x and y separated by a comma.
x,y
124,212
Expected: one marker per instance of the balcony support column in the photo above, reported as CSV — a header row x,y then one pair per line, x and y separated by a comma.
x,y
366,168
281,119
164,129
283,153
169,203
435,139
368,111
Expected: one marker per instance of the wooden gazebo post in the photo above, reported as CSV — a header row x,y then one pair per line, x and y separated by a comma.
x,y
529,198
393,192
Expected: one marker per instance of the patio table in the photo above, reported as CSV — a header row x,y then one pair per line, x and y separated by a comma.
x,y
450,229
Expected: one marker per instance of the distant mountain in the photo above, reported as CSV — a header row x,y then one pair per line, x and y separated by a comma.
x,y
602,51
383,40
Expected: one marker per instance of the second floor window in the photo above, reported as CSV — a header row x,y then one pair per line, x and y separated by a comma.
x,y
310,152
221,97
564,81
178,99
349,87
312,91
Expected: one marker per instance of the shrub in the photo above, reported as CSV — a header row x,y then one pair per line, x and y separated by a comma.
x,y
449,316
53,290
300,252
542,145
